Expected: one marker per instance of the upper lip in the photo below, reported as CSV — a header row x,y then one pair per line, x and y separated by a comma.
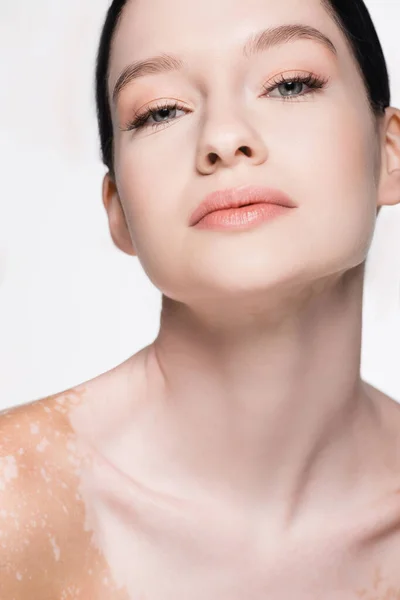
x,y
240,196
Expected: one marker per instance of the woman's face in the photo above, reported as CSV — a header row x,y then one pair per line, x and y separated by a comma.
x,y
320,148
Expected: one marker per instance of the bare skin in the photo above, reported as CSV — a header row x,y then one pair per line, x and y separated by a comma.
x,y
239,455
176,545
45,551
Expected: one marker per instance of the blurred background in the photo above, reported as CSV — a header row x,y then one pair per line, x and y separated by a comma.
x,y
72,306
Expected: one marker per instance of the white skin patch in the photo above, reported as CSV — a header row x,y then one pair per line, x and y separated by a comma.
x,y
71,446
8,470
71,592
45,476
34,427
56,549
42,445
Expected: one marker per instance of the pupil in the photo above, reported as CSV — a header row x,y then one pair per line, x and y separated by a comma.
x,y
162,112
292,84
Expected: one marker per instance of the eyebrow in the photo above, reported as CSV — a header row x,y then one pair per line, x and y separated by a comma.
x,y
256,43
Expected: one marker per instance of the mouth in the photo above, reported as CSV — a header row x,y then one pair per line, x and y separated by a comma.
x,y
239,197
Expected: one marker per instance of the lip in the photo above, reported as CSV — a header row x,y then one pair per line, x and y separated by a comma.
x,y
240,196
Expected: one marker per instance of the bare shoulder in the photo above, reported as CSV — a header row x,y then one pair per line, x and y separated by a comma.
x,y
37,491
45,549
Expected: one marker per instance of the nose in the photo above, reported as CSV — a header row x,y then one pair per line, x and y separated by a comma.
x,y
227,140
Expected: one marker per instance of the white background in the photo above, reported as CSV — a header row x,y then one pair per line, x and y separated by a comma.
x,y
72,306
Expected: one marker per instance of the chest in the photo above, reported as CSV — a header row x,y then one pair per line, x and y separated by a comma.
x,y
158,547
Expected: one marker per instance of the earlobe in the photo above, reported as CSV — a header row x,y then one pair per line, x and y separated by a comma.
x,y
389,187
116,217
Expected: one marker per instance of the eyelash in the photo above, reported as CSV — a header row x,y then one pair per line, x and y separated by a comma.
x,y
314,82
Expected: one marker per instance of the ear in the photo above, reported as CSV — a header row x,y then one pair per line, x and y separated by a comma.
x,y
389,182
116,216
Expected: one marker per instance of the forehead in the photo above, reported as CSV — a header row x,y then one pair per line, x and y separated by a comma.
x,y
208,30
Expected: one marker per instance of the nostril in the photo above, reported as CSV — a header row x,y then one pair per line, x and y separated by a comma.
x,y
245,150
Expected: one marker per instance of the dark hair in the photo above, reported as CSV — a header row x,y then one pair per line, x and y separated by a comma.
x,y
351,16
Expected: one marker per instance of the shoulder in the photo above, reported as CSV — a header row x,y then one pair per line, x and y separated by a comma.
x,y
36,481
43,541
46,546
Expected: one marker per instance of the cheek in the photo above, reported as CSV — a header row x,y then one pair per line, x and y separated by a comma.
x,y
139,170
332,173
157,190
155,172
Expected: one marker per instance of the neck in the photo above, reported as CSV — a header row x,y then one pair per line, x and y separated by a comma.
x,y
263,409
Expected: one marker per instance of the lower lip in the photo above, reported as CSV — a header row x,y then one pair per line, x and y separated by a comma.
x,y
243,217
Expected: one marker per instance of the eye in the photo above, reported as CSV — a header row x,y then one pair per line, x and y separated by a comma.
x,y
164,110
291,87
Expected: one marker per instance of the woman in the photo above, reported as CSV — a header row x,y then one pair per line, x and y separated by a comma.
x,y
240,455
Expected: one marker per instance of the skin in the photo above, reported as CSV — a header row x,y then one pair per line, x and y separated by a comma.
x,y
242,445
